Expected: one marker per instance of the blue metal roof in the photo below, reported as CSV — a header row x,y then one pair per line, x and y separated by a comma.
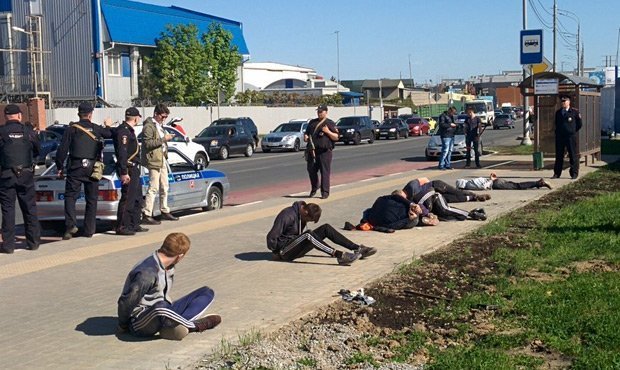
x,y
130,22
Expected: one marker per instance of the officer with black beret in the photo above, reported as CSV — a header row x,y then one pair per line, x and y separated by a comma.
x,y
128,166
19,145
83,143
567,125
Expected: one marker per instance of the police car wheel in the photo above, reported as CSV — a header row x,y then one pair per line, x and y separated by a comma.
x,y
201,159
214,199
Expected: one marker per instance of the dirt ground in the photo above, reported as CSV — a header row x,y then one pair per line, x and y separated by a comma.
x,y
348,336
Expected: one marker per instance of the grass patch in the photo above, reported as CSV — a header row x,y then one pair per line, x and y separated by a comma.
x,y
308,362
513,149
361,358
481,358
610,146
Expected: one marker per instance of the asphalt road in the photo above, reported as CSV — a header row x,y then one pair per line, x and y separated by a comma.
x,y
274,174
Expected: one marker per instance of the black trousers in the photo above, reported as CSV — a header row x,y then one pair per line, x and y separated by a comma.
x,y
323,164
314,239
75,179
475,144
22,189
452,194
501,184
436,203
568,143
129,207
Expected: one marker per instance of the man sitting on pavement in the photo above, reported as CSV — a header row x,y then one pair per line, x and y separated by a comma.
x,y
493,182
288,240
145,306
422,192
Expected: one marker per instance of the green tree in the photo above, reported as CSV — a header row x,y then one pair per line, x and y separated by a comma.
x,y
187,67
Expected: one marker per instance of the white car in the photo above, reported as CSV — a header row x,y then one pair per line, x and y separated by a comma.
x,y
433,149
183,143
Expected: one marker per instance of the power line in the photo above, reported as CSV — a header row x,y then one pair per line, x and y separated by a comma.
x,y
543,8
540,18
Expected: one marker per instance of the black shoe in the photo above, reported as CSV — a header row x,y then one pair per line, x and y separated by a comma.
x,y
140,229
366,251
478,214
168,217
6,251
467,165
33,247
312,193
478,165
125,232
148,220
324,196
573,177
207,322
348,226
69,233
348,258
555,176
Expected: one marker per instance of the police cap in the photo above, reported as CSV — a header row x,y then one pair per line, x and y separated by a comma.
x,y
85,108
322,108
132,112
12,109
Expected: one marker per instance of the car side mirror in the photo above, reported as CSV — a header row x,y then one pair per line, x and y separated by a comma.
x,y
187,140
199,166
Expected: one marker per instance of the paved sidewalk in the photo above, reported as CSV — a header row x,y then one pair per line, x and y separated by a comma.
x,y
59,304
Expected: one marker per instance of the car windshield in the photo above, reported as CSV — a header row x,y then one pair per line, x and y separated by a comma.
x,y
503,116
477,107
214,131
288,127
414,120
347,121
221,122
390,123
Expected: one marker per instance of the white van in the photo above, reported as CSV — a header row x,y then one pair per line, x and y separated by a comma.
x,y
483,109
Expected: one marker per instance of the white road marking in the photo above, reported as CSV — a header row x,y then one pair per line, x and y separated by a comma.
x,y
499,164
247,204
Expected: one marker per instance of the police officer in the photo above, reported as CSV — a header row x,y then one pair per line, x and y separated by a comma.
x,y
83,143
19,145
473,130
128,165
567,124
320,136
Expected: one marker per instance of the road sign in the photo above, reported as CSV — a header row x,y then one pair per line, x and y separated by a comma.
x,y
531,46
541,67
546,86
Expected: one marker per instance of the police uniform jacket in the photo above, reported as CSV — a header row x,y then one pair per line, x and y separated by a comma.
x,y
19,146
567,123
321,141
126,147
78,145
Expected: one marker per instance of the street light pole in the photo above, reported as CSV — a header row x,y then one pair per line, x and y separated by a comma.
x,y
526,116
337,60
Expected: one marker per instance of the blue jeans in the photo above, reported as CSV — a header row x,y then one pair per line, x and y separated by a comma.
x,y
447,143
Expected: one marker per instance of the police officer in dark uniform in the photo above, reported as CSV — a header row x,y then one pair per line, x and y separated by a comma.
x,y
83,143
19,145
320,135
128,166
567,124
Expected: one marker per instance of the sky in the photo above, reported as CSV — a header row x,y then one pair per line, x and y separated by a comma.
x,y
438,38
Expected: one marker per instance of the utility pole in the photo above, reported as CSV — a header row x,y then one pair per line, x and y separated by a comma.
x,y
337,59
526,135
555,31
578,49
410,75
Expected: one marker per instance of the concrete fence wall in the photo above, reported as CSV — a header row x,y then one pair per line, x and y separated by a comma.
x,y
197,118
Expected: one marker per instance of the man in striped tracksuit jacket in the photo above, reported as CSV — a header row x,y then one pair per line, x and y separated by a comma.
x,y
145,307
288,240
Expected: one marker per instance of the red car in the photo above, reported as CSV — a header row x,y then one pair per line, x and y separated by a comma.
x,y
418,126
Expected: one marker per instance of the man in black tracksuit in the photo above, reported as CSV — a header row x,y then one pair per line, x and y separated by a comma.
x,y
128,165
19,145
567,124
288,240
83,150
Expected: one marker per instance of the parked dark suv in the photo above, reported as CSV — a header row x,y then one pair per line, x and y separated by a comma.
x,y
221,141
246,122
354,129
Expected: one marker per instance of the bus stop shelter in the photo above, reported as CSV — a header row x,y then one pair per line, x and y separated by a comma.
x,y
546,89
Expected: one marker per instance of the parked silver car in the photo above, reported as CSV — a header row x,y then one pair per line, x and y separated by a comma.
x,y
433,149
191,186
287,136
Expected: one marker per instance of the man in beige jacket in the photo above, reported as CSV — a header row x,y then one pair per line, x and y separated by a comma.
x,y
154,157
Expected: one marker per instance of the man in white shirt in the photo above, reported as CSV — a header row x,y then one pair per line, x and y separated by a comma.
x,y
493,182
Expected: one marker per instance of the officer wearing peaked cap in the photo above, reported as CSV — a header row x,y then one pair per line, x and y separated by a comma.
x,y
19,145
81,146
128,167
567,125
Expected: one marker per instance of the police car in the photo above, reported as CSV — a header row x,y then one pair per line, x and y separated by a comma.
x,y
191,186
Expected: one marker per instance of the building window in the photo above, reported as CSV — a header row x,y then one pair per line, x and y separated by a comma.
x,y
288,83
114,64
126,65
